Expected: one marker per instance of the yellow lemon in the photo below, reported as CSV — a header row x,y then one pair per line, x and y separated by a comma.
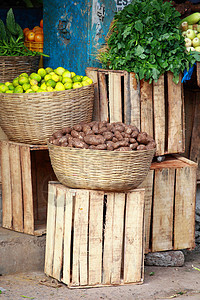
x,y
48,70
42,72
15,82
77,85
23,74
35,87
68,85
7,83
86,78
35,76
47,77
26,86
66,79
50,89
55,77
33,82
59,70
51,83
11,87
59,86
29,91
23,79
18,89
66,74
73,74
3,88
43,86
9,92
77,78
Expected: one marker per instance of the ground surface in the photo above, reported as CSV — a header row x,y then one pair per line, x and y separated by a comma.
x,y
159,283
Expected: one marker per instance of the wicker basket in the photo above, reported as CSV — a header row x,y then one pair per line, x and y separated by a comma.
x,y
100,169
32,118
12,66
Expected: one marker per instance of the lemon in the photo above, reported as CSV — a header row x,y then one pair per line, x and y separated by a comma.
x,y
15,82
66,79
66,74
77,78
68,85
7,83
26,86
55,77
59,86
47,77
35,76
48,70
51,83
23,79
59,70
85,83
29,91
77,85
18,89
9,92
73,74
23,74
3,88
43,86
35,87
33,82
49,89
42,72
11,87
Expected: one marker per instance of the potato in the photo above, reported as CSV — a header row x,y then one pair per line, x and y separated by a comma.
x,y
133,146
65,144
108,135
58,134
56,142
118,135
132,140
120,144
119,128
128,130
95,128
141,147
92,147
114,139
101,147
63,139
151,145
86,128
51,139
134,134
77,127
66,130
94,139
74,133
102,124
110,145
142,138
123,149
79,144
102,129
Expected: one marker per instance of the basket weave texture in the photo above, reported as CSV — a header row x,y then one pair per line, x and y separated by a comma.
x,y
33,118
100,169
12,66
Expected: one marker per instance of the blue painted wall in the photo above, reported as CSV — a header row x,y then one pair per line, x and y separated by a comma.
x,y
74,30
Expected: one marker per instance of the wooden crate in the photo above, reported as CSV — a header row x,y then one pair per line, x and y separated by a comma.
x,y
25,172
94,238
156,108
170,198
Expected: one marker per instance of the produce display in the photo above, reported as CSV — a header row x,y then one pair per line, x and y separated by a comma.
x,y
115,136
145,38
190,27
35,34
45,80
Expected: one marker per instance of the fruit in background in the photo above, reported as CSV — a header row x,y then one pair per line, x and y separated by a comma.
x,y
39,37
190,34
31,36
197,48
35,34
41,23
196,42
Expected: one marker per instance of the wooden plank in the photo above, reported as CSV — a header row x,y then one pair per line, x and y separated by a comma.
x,y
175,116
108,240
118,227
59,231
198,74
95,237
148,186
27,189
50,237
103,98
127,102
162,227
16,187
195,139
115,97
135,101
93,74
146,95
6,186
185,200
67,236
159,115
134,237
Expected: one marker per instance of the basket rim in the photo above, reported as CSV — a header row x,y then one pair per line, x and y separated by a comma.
x,y
20,56
79,150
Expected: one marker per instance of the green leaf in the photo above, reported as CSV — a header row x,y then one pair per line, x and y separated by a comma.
x,y
139,26
139,50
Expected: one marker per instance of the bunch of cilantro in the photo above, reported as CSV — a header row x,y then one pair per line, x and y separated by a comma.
x,y
146,39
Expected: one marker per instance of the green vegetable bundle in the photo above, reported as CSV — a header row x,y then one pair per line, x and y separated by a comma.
x,y
145,38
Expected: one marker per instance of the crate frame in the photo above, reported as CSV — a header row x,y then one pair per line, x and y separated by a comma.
x,y
157,108
25,172
169,205
79,227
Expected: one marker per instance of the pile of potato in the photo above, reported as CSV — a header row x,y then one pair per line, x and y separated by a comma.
x,y
115,136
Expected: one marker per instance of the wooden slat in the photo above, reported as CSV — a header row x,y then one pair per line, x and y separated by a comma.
x,y
6,186
16,187
115,97
50,237
95,237
108,240
184,216
93,74
135,101
134,236
59,230
175,116
148,186
159,115
118,227
67,236
27,189
162,227
198,74
103,98
146,95
127,102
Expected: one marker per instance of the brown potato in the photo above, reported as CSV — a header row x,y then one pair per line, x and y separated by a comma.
x,y
123,149
151,145
118,135
128,130
58,134
133,146
118,144
56,142
51,139
142,138
102,124
108,135
66,130
79,144
119,128
95,128
63,139
74,133
101,147
86,128
134,134
77,127
65,144
132,140
141,147
94,139
102,129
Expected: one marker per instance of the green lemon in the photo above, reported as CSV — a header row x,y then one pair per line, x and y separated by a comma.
x,y
23,79
51,83
35,87
29,91
43,86
87,79
18,89
7,83
55,77
73,74
42,72
48,70
68,85
59,86
33,82
50,89
11,87
66,74
66,79
47,77
77,85
26,86
3,88
15,82
35,76
9,92
85,83
41,90
23,74
59,70
77,78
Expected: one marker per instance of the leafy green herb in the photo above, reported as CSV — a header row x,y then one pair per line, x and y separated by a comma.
x,y
145,38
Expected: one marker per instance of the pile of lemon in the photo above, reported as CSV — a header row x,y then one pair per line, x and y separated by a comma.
x,y
45,80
